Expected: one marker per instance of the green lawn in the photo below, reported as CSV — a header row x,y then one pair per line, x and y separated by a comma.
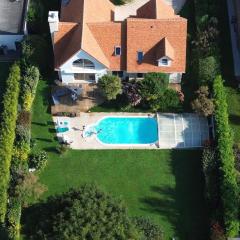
x,y
163,185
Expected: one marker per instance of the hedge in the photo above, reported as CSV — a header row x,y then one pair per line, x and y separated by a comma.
x,y
22,148
7,134
228,175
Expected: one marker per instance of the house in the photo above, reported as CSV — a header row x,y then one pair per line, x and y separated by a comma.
x,y
12,24
94,37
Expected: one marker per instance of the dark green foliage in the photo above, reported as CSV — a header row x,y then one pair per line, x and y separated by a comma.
x,y
13,217
153,85
228,187
208,69
149,230
84,213
203,105
167,101
24,118
7,133
210,166
38,160
111,86
22,134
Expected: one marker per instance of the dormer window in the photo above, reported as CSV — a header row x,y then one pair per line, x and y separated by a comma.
x,y
165,61
117,51
140,56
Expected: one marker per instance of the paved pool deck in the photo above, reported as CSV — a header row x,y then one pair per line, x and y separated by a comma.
x,y
187,130
76,130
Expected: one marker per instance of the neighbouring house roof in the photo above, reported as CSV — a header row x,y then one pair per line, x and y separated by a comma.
x,y
12,16
89,25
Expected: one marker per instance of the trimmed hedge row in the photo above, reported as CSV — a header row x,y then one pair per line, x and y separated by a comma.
x,y
7,134
228,175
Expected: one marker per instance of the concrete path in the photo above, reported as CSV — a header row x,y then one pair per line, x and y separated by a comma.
x,y
235,49
130,9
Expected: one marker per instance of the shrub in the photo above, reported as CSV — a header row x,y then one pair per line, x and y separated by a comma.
x,y
62,148
203,105
208,69
83,213
229,188
29,86
149,230
28,188
7,133
22,134
111,86
131,90
24,118
217,233
153,85
168,101
13,219
38,160
211,175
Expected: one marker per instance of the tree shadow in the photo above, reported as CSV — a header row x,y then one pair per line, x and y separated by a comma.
x,y
43,139
234,119
184,205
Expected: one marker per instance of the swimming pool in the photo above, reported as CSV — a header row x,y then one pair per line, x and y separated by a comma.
x,y
127,130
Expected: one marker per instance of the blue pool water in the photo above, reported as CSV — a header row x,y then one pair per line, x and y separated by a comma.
x,y
129,130
62,129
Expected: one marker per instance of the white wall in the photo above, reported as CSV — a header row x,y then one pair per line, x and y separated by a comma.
x,y
67,70
175,77
9,40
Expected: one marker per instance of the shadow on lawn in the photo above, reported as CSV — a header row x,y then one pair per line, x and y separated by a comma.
x,y
183,206
234,119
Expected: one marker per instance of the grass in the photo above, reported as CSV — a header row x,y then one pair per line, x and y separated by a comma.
x,y
166,186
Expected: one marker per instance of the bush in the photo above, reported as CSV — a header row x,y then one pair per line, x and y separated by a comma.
x,y
111,86
24,118
13,219
149,230
167,101
208,69
29,86
131,90
83,213
203,105
153,85
211,175
228,186
62,148
22,134
38,160
7,133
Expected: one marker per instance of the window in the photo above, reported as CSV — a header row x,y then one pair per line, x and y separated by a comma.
x,y
118,73
139,56
139,75
83,63
164,61
84,76
117,51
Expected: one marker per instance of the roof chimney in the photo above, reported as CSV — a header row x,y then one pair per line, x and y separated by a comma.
x,y
53,20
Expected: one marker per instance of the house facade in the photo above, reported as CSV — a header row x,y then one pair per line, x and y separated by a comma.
x,y
92,38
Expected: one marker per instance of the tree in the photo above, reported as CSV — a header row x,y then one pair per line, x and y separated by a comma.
x,y
131,90
203,105
111,86
28,188
83,213
153,85
208,70
149,230
168,101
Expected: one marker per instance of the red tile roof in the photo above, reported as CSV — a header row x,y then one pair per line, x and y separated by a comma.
x,y
88,25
